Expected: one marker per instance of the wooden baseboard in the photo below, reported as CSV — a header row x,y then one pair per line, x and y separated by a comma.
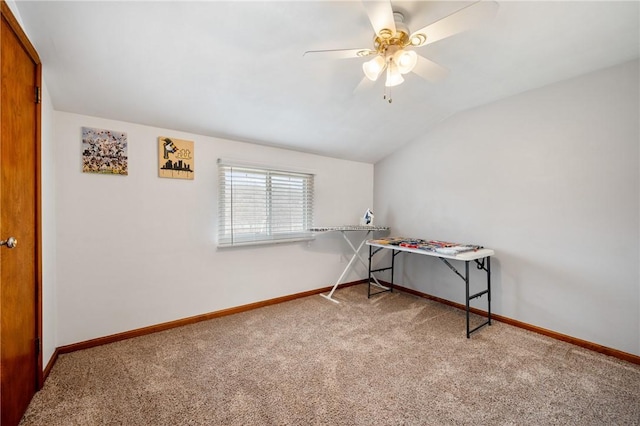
x,y
635,359
50,364
192,320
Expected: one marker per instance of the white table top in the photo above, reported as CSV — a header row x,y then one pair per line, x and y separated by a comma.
x,y
349,228
469,254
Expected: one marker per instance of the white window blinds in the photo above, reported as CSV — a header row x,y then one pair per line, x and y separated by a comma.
x,y
261,205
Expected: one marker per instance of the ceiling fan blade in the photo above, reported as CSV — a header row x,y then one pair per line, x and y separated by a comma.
x,y
464,19
429,70
364,85
381,16
339,53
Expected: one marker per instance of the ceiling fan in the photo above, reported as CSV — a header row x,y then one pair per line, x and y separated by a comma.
x,y
393,43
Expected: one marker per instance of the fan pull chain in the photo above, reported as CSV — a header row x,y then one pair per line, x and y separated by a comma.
x,y
387,97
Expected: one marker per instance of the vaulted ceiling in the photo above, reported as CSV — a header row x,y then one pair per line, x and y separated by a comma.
x,y
235,69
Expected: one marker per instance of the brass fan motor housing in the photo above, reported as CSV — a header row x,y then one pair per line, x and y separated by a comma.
x,y
386,38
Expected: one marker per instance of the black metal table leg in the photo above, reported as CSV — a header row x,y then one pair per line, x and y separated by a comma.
x,y
466,283
489,288
393,258
369,280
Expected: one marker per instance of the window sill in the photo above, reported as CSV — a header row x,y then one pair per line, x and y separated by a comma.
x,y
264,242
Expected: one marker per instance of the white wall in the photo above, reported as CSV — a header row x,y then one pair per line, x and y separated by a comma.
x,y
139,250
550,180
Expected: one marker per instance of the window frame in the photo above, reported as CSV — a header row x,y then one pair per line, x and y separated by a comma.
x,y
231,235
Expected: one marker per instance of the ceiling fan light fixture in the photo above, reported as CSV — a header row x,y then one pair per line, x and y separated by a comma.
x,y
406,60
373,68
394,78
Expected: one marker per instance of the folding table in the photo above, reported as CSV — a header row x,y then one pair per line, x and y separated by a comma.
x,y
356,251
444,251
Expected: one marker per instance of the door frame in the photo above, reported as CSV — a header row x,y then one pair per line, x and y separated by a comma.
x,y
8,16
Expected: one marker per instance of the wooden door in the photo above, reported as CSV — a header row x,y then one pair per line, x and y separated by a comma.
x,y
20,288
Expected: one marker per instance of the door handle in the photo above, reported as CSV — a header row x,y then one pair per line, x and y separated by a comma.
x,y
9,242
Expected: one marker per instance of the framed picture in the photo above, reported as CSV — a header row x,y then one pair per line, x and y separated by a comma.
x,y
175,158
104,151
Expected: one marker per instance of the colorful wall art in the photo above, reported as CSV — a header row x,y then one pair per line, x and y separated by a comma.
x,y
175,158
104,151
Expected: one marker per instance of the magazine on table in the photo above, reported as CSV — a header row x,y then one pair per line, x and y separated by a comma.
x,y
442,247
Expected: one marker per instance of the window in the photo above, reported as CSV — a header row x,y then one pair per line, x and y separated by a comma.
x,y
263,206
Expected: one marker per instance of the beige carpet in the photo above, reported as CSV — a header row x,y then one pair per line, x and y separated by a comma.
x,y
391,360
